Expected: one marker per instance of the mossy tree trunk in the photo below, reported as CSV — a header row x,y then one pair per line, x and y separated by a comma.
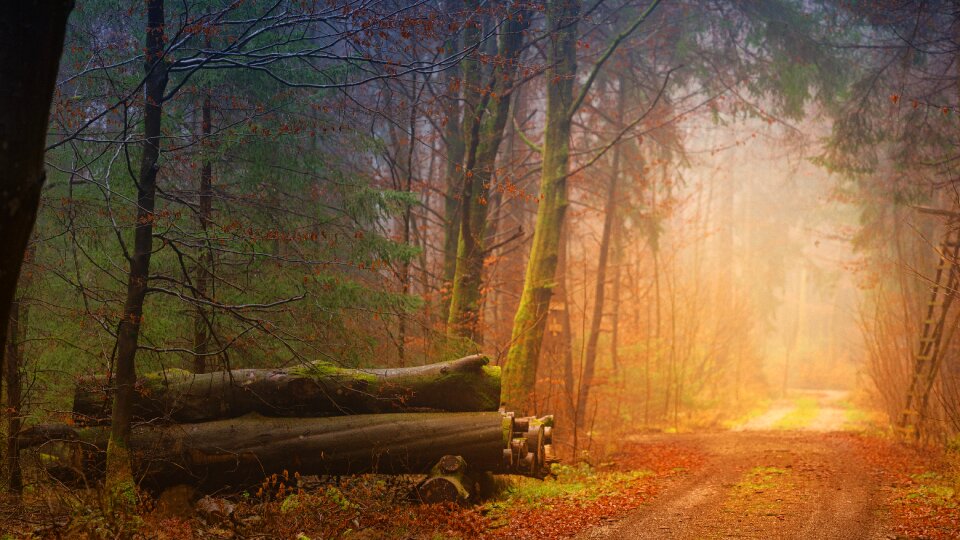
x,y
120,484
520,373
486,122
453,136
521,369
319,389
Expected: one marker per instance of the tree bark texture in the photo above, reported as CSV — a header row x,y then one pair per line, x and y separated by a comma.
x,y
453,136
520,373
242,451
31,42
485,122
203,322
318,389
119,482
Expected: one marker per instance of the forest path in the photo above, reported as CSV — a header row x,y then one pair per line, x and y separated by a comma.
x,y
804,410
782,482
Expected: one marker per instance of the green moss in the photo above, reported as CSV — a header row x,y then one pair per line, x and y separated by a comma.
x,y
759,492
337,497
167,376
761,479
806,411
572,483
121,489
326,369
932,488
292,502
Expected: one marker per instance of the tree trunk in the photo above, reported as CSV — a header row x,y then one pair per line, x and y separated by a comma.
x,y
31,42
318,389
14,395
453,136
609,219
242,451
120,480
203,322
407,221
486,124
520,374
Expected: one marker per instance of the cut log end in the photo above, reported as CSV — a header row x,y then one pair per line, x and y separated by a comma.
x,y
443,489
449,482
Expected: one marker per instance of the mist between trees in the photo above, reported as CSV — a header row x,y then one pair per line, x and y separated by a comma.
x,y
651,215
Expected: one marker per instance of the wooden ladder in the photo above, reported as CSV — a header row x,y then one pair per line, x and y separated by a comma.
x,y
927,362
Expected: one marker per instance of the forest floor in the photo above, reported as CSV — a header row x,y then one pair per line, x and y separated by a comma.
x,y
807,467
802,469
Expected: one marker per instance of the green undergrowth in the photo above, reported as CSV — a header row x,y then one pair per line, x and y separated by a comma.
x,y
861,420
756,410
807,409
572,483
363,506
926,504
934,489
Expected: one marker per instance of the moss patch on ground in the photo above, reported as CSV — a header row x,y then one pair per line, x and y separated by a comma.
x,y
572,483
860,420
759,492
807,409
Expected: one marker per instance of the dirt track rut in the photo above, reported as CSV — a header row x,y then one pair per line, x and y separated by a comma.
x,y
804,483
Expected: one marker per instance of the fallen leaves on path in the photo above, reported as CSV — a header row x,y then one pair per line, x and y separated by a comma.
x,y
921,498
560,517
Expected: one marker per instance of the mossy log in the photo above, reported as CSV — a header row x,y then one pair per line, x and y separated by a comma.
x,y
317,389
242,451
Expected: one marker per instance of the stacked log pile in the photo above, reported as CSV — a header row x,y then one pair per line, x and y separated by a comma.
x,y
235,427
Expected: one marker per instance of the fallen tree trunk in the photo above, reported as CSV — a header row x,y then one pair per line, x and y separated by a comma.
x,y
243,451
317,389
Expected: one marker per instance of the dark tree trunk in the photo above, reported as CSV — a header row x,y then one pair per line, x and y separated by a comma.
x,y
203,321
119,481
609,219
31,42
242,451
467,384
485,122
14,395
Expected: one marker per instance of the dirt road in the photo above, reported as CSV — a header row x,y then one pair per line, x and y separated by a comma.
x,y
778,476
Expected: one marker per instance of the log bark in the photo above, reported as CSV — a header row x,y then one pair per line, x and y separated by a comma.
x,y
317,389
242,451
